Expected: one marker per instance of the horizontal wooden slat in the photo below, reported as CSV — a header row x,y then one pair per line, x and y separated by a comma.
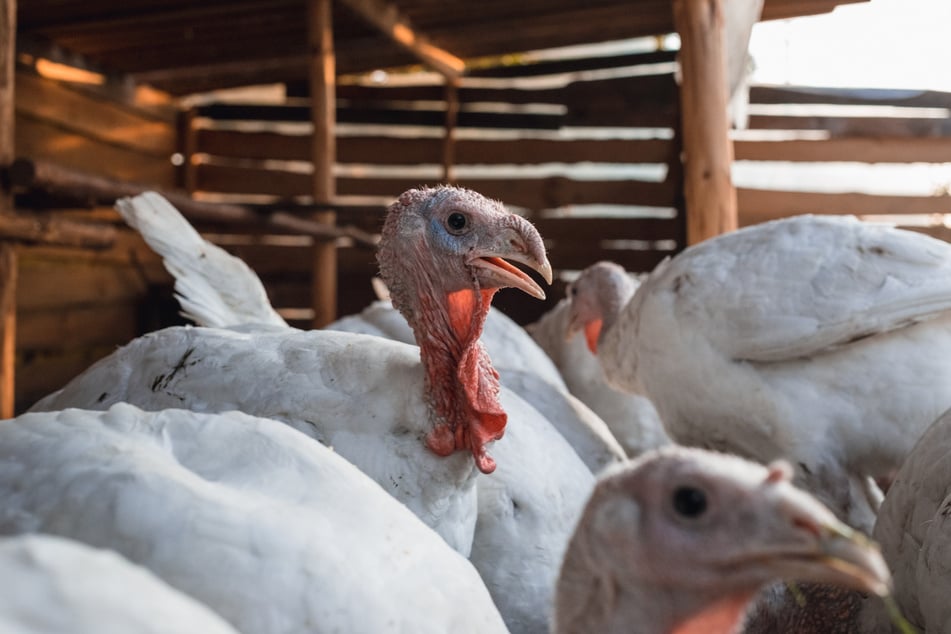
x,y
759,205
535,193
850,96
73,327
39,139
863,150
46,285
383,150
856,126
578,257
103,120
593,229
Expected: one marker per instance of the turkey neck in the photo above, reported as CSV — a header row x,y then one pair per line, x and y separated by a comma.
x,y
591,600
462,387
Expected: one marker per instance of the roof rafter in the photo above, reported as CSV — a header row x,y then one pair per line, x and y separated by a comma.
x,y
387,17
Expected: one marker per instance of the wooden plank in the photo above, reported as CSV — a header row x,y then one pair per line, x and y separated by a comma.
x,y
708,152
573,65
77,327
850,96
531,193
45,228
388,18
383,150
48,285
760,205
837,126
592,229
324,154
8,328
100,119
8,258
40,139
860,150
83,187
578,257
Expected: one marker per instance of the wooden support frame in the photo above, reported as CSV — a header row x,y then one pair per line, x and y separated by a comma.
x,y
388,18
8,256
324,151
449,141
707,149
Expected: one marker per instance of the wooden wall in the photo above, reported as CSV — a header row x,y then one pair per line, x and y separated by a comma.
x,y
535,147
76,305
864,127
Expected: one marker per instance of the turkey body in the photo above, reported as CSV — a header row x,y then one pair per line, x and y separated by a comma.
x,y
914,531
523,368
360,395
823,340
632,418
57,586
271,530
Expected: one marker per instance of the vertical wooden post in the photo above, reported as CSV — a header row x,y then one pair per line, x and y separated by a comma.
x,y
452,116
708,150
8,322
324,152
188,148
8,258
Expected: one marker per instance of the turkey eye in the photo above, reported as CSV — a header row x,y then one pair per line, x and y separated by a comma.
x,y
457,221
690,502
574,291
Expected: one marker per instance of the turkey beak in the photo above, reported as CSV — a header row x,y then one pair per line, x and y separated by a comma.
x,y
814,546
517,241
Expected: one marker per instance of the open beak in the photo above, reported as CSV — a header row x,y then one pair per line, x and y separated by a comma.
x,y
517,243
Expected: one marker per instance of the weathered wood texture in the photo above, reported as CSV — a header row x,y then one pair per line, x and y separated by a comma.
x,y
80,129
524,146
8,260
323,154
704,93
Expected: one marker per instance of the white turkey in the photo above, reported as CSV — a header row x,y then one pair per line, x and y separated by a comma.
x,y
274,532
914,531
57,586
523,368
406,422
217,289
681,540
823,340
632,418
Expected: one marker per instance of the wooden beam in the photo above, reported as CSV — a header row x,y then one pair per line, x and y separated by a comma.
x,y
48,229
8,322
708,152
324,152
449,137
8,258
386,16
90,190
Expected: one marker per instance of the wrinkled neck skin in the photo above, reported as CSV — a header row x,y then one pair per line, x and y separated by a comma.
x,y
592,598
461,386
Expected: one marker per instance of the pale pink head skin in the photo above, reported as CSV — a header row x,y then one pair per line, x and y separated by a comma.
x,y
680,541
597,297
442,255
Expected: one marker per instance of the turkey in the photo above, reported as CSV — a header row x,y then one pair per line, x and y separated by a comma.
x,y
632,418
404,415
823,340
217,289
523,368
56,586
274,532
915,534
682,539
